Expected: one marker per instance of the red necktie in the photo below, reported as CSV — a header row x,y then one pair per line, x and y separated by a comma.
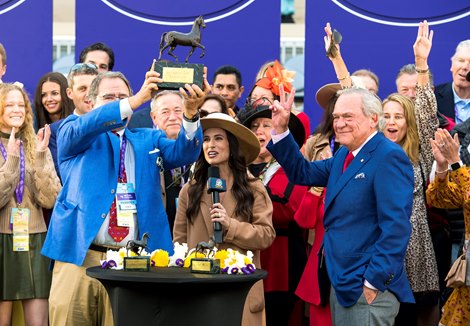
x,y
348,160
117,232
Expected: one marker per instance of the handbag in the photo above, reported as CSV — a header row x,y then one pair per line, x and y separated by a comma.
x,y
467,280
458,272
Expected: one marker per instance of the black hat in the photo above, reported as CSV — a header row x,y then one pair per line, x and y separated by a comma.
x,y
295,125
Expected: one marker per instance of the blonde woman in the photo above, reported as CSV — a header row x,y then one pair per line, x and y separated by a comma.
x,y
28,183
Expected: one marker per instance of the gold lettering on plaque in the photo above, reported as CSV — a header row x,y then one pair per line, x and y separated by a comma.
x,y
204,266
178,75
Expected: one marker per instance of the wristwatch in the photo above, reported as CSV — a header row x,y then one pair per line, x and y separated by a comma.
x,y
456,165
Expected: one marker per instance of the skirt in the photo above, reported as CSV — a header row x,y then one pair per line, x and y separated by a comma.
x,y
24,275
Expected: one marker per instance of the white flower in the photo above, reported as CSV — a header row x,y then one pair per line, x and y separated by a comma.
x,y
180,251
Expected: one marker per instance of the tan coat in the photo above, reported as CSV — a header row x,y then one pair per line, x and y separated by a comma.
x,y
315,145
240,235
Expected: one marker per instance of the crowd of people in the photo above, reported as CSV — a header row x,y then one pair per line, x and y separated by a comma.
x,y
357,223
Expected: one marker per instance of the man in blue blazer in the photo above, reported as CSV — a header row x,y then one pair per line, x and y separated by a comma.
x,y
91,160
367,208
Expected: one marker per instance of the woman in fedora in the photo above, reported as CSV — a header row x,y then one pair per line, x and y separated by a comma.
x,y
244,211
285,259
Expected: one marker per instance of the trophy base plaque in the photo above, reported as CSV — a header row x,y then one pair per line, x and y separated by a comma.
x,y
137,264
175,75
205,266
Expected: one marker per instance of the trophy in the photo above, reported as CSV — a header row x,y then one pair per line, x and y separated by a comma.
x,y
137,263
175,74
207,265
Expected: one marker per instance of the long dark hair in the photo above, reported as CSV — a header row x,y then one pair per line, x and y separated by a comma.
x,y
241,182
326,125
66,104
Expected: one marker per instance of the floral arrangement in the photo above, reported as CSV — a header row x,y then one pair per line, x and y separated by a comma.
x,y
231,261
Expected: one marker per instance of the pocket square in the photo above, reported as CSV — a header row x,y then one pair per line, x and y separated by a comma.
x,y
360,176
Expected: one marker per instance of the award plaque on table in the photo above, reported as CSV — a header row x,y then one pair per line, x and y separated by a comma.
x,y
175,74
206,265
137,263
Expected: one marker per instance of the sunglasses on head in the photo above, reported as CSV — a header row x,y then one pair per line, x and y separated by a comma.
x,y
84,65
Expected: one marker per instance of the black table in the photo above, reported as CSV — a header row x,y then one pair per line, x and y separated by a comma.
x,y
175,296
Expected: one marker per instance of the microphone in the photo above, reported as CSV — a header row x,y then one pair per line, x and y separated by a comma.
x,y
468,76
215,185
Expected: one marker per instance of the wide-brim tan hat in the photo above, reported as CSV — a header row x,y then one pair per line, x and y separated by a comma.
x,y
328,91
248,142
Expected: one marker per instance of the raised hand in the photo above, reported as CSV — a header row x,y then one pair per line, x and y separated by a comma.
x,y
281,110
148,89
42,142
332,40
194,95
206,86
423,43
13,146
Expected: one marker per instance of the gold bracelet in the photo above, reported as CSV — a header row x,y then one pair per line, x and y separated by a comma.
x,y
439,172
318,189
343,78
422,71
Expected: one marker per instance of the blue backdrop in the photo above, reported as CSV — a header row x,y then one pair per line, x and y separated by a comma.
x,y
379,36
241,33
26,33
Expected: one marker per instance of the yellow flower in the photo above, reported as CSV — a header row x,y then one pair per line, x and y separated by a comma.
x,y
221,255
194,254
247,260
160,258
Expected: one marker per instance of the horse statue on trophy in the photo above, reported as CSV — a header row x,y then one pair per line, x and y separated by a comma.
x,y
192,39
136,246
206,248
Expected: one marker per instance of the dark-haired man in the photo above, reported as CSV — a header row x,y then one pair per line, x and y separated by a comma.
x,y
100,55
228,84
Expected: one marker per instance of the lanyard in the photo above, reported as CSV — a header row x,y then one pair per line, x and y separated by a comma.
x,y
332,144
122,158
19,191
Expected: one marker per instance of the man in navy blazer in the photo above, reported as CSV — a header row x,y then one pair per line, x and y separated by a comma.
x,y
367,208
91,158
453,99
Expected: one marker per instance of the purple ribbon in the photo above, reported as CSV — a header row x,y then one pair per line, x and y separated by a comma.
x,y
19,190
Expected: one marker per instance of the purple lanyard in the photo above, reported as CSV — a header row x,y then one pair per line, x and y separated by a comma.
x,y
122,158
19,191
332,144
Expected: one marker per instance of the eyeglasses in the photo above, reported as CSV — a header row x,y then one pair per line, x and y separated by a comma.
x,y
114,97
257,102
83,66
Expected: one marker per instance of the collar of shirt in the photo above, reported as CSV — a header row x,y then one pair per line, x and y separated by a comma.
x,y
356,151
457,99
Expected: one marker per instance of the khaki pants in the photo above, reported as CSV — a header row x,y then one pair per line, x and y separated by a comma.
x,y
77,299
